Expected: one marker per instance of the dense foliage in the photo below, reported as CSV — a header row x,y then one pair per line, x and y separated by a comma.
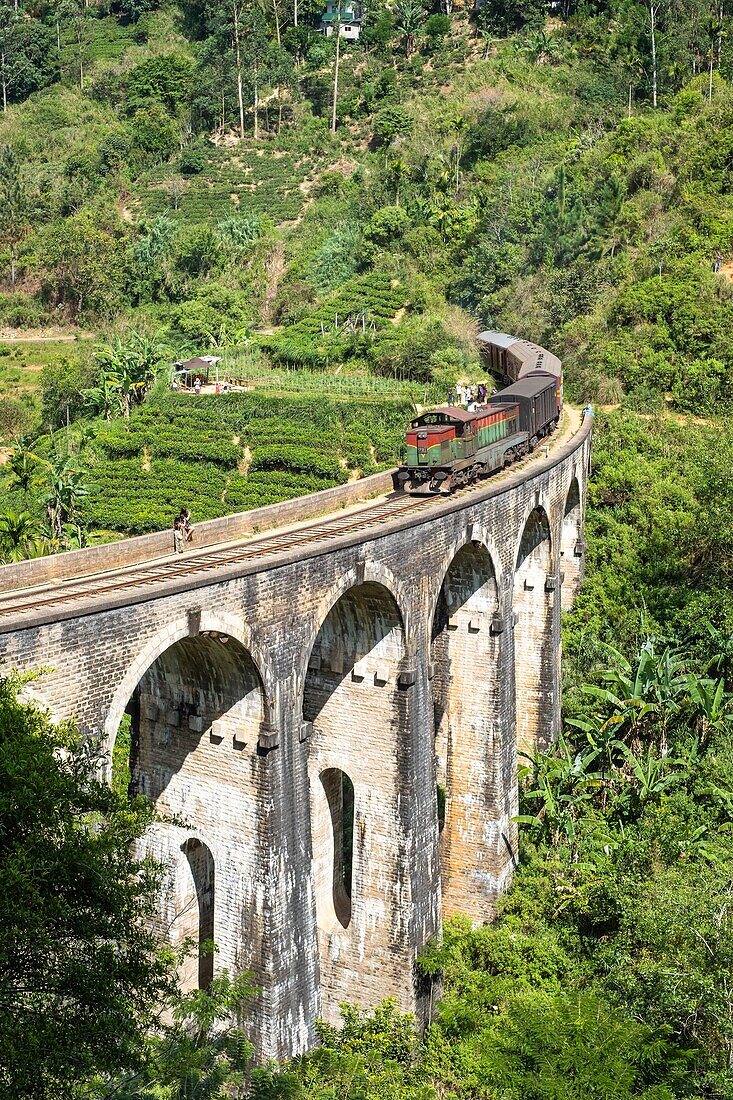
x,y
80,977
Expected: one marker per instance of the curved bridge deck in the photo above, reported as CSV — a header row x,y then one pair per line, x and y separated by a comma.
x,y
26,604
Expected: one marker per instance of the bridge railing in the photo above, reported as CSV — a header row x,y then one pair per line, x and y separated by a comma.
x,y
117,555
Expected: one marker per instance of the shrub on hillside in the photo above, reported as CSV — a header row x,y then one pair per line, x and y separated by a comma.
x,y
391,121
192,160
387,226
215,312
162,80
18,310
154,137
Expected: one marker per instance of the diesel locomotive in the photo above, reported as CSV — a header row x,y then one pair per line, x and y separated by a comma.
x,y
449,447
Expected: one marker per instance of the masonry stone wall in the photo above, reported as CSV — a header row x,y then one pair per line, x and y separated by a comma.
x,y
403,657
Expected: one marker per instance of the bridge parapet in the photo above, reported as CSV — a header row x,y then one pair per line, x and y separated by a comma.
x,y
212,532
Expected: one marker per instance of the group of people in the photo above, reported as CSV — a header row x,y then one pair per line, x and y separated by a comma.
x,y
182,530
221,387
468,396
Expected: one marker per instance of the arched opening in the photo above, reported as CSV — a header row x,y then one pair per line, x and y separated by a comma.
x,y
339,792
466,645
357,704
196,914
195,718
534,645
571,546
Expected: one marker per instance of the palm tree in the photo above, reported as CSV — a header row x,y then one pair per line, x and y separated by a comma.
x,y
409,16
24,465
21,536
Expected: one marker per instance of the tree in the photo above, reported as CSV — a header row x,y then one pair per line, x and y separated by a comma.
x,y
337,55
14,207
77,16
85,263
81,978
409,16
62,489
21,536
27,58
199,1054
255,57
23,465
128,369
504,17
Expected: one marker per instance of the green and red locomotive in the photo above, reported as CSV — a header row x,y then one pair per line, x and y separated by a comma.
x,y
449,447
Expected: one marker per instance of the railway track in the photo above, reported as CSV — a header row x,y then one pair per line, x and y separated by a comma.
x,y
194,562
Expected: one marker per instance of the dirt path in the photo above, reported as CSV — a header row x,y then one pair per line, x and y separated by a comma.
x,y
42,336
274,268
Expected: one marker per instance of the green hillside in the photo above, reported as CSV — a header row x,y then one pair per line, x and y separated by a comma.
x,y
202,176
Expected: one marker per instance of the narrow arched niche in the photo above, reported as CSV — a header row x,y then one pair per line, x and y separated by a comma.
x,y
534,654
339,792
195,920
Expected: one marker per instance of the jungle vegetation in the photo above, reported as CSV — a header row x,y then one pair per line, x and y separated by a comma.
x,y
195,176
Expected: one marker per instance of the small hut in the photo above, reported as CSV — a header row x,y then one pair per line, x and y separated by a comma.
x,y
200,367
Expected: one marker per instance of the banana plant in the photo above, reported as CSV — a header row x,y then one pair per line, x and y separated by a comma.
x,y
712,704
24,466
643,697
651,775
563,786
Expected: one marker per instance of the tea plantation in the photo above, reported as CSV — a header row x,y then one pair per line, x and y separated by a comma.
x,y
253,182
218,454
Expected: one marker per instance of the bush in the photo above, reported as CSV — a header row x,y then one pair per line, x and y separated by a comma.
x,y
301,459
18,310
389,122
159,80
62,384
16,419
212,313
387,225
192,161
154,137
437,27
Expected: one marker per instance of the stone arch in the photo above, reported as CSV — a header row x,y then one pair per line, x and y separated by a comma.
x,y
534,636
473,533
571,544
195,918
199,711
184,627
356,704
364,572
466,649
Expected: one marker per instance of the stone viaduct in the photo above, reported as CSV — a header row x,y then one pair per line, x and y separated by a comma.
x,y
329,727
